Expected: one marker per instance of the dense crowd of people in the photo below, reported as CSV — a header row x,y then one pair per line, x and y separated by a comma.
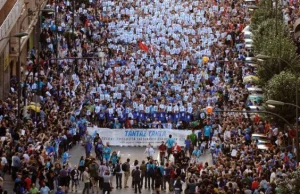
x,y
164,62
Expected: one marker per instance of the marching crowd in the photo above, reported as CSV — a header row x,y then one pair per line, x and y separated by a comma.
x,y
165,62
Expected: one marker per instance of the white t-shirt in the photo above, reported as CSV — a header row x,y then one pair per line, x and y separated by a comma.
x,y
3,161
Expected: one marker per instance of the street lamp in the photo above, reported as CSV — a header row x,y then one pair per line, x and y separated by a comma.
x,y
274,102
18,35
279,103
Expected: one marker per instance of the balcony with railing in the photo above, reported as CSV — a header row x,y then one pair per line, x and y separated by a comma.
x,y
9,15
2,3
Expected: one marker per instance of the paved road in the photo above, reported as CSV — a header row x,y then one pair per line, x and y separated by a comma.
x,y
126,152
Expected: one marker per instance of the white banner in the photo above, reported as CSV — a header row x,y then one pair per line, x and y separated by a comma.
x,y
139,137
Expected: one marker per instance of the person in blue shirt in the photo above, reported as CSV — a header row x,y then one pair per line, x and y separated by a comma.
x,y
65,157
247,139
88,148
196,155
106,153
142,116
154,115
200,136
114,158
188,117
182,116
117,125
187,143
170,143
207,132
175,117
162,117
101,118
150,174
59,191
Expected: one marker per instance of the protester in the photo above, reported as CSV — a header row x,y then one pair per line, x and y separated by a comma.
x,y
164,63
149,151
118,172
86,179
106,182
126,170
136,177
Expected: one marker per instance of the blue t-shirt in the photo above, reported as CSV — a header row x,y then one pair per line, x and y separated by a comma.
x,y
200,134
187,143
175,117
170,142
45,190
162,116
106,152
207,130
196,153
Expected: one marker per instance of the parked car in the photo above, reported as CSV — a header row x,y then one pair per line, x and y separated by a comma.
x,y
254,99
262,141
248,35
255,90
250,60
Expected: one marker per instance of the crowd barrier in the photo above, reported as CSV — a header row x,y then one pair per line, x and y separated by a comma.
x,y
139,137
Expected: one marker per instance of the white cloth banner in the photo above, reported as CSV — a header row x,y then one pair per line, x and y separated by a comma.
x,y
139,137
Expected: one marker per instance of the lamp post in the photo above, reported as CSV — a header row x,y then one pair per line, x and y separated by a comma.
x,y
279,103
273,102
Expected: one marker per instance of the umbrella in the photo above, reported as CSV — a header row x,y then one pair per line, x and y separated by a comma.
x,y
205,59
250,78
34,106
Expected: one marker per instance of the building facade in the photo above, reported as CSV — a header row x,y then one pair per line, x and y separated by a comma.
x,y
16,16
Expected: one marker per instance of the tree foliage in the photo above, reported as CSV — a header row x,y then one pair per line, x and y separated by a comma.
x,y
278,73
290,183
283,57
282,87
265,11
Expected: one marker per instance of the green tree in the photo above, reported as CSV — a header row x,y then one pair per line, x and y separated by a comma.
x,y
283,57
265,11
282,87
290,183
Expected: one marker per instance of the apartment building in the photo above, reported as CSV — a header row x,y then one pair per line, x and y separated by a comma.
x,y
16,16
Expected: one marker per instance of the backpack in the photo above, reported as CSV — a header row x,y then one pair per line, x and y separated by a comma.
x,y
151,171
124,167
178,185
118,168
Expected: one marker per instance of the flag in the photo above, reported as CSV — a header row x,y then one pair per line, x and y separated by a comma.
x,y
143,47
